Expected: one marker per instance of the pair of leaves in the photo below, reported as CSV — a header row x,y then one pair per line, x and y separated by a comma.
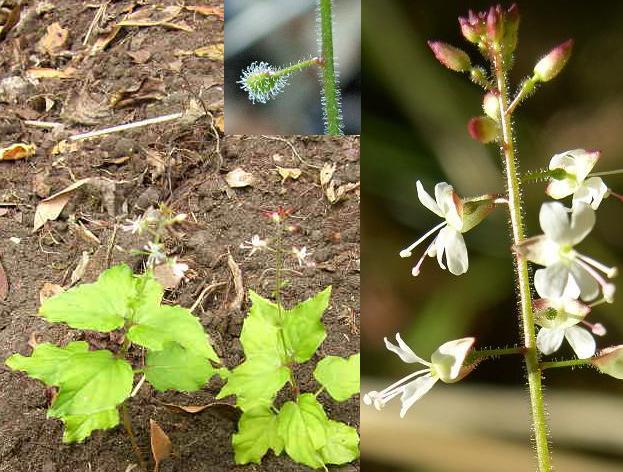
x,y
91,385
301,428
178,357
272,338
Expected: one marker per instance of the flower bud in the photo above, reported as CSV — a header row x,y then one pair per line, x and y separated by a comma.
x,y
491,106
483,129
473,27
610,361
453,58
511,29
549,67
495,24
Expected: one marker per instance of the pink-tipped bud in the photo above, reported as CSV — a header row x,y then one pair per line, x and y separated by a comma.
x,y
473,27
495,23
512,28
491,106
551,65
483,129
610,361
451,57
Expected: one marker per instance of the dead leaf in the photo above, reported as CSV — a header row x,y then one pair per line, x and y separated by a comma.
x,y
219,123
180,25
156,161
239,178
214,52
207,11
141,56
4,283
47,73
222,408
39,184
288,173
11,19
84,233
193,409
166,276
236,274
78,272
54,40
104,40
51,207
81,108
64,146
334,194
151,16
326,173
146,90
160,444
17,151
49,290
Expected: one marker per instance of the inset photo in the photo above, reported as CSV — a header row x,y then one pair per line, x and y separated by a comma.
x,y
293,67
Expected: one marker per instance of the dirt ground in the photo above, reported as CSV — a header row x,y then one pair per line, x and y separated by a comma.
x,y
182,164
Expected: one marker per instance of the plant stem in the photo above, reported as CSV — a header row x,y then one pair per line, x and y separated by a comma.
x,y
297,67
330,91
569,363
127,424
485,353
521,266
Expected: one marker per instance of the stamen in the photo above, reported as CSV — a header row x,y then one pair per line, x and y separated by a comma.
x,y
615,195
597,329
407,251
609,271
606,288
395,385
416,269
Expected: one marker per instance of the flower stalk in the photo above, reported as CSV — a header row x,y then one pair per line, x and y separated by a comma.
x,y
513,183
330,91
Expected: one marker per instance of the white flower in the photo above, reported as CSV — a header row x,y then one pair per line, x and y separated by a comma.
x,y
135,226
446,364
577,165
449,241
255,244
559,316
156,254
554,250
301,256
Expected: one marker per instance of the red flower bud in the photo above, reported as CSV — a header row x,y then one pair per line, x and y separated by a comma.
x,y
473,26
550,66
495,23
483,129
451,57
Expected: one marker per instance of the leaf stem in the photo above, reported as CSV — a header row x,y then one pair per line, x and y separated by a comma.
x,y
297,67
127,424
486,353
330,91
521,266
569,363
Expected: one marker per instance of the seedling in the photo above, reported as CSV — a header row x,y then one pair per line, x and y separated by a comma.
x,y
264,82
568,284
275,340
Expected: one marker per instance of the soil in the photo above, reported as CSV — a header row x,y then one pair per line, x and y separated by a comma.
x,y
181,164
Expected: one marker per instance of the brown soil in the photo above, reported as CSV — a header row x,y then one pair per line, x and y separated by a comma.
x,y
181,165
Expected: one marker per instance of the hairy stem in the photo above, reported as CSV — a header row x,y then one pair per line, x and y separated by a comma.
x,y
569,363
127,424
297,67
330,91
513,183
487,353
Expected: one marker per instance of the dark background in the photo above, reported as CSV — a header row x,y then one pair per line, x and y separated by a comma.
x,y
415,115
282,32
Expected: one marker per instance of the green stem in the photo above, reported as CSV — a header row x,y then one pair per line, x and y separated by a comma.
x,y
526,89
570,363
127,424
607,172
296,67
486,353
527,316
330,91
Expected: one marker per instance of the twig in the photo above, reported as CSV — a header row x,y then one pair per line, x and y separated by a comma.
x,y
237,276
98,15
43,124
203,293
294,151
136,124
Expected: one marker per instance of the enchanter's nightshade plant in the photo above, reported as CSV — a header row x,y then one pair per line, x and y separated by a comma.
x,y
567,276
263,82
446,365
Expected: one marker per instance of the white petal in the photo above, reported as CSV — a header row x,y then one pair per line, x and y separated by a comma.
x,y
415,390
589,287
449,357
404,352
572,291
558,189
591,192
581,341
554,220
582,222
584,162
553,280
427,200
540,250
440,246
564,160
444,194
549,340
456,252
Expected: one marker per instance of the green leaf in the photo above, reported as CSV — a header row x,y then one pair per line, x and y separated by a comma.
x,y
303,330
100,306
264,309
342,444
261,338
257,433
47,361
176,368
162,324
339,376
303,426
91,384
255,382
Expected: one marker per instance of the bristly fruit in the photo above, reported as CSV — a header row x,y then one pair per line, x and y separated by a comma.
x,y
262,82
551,65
